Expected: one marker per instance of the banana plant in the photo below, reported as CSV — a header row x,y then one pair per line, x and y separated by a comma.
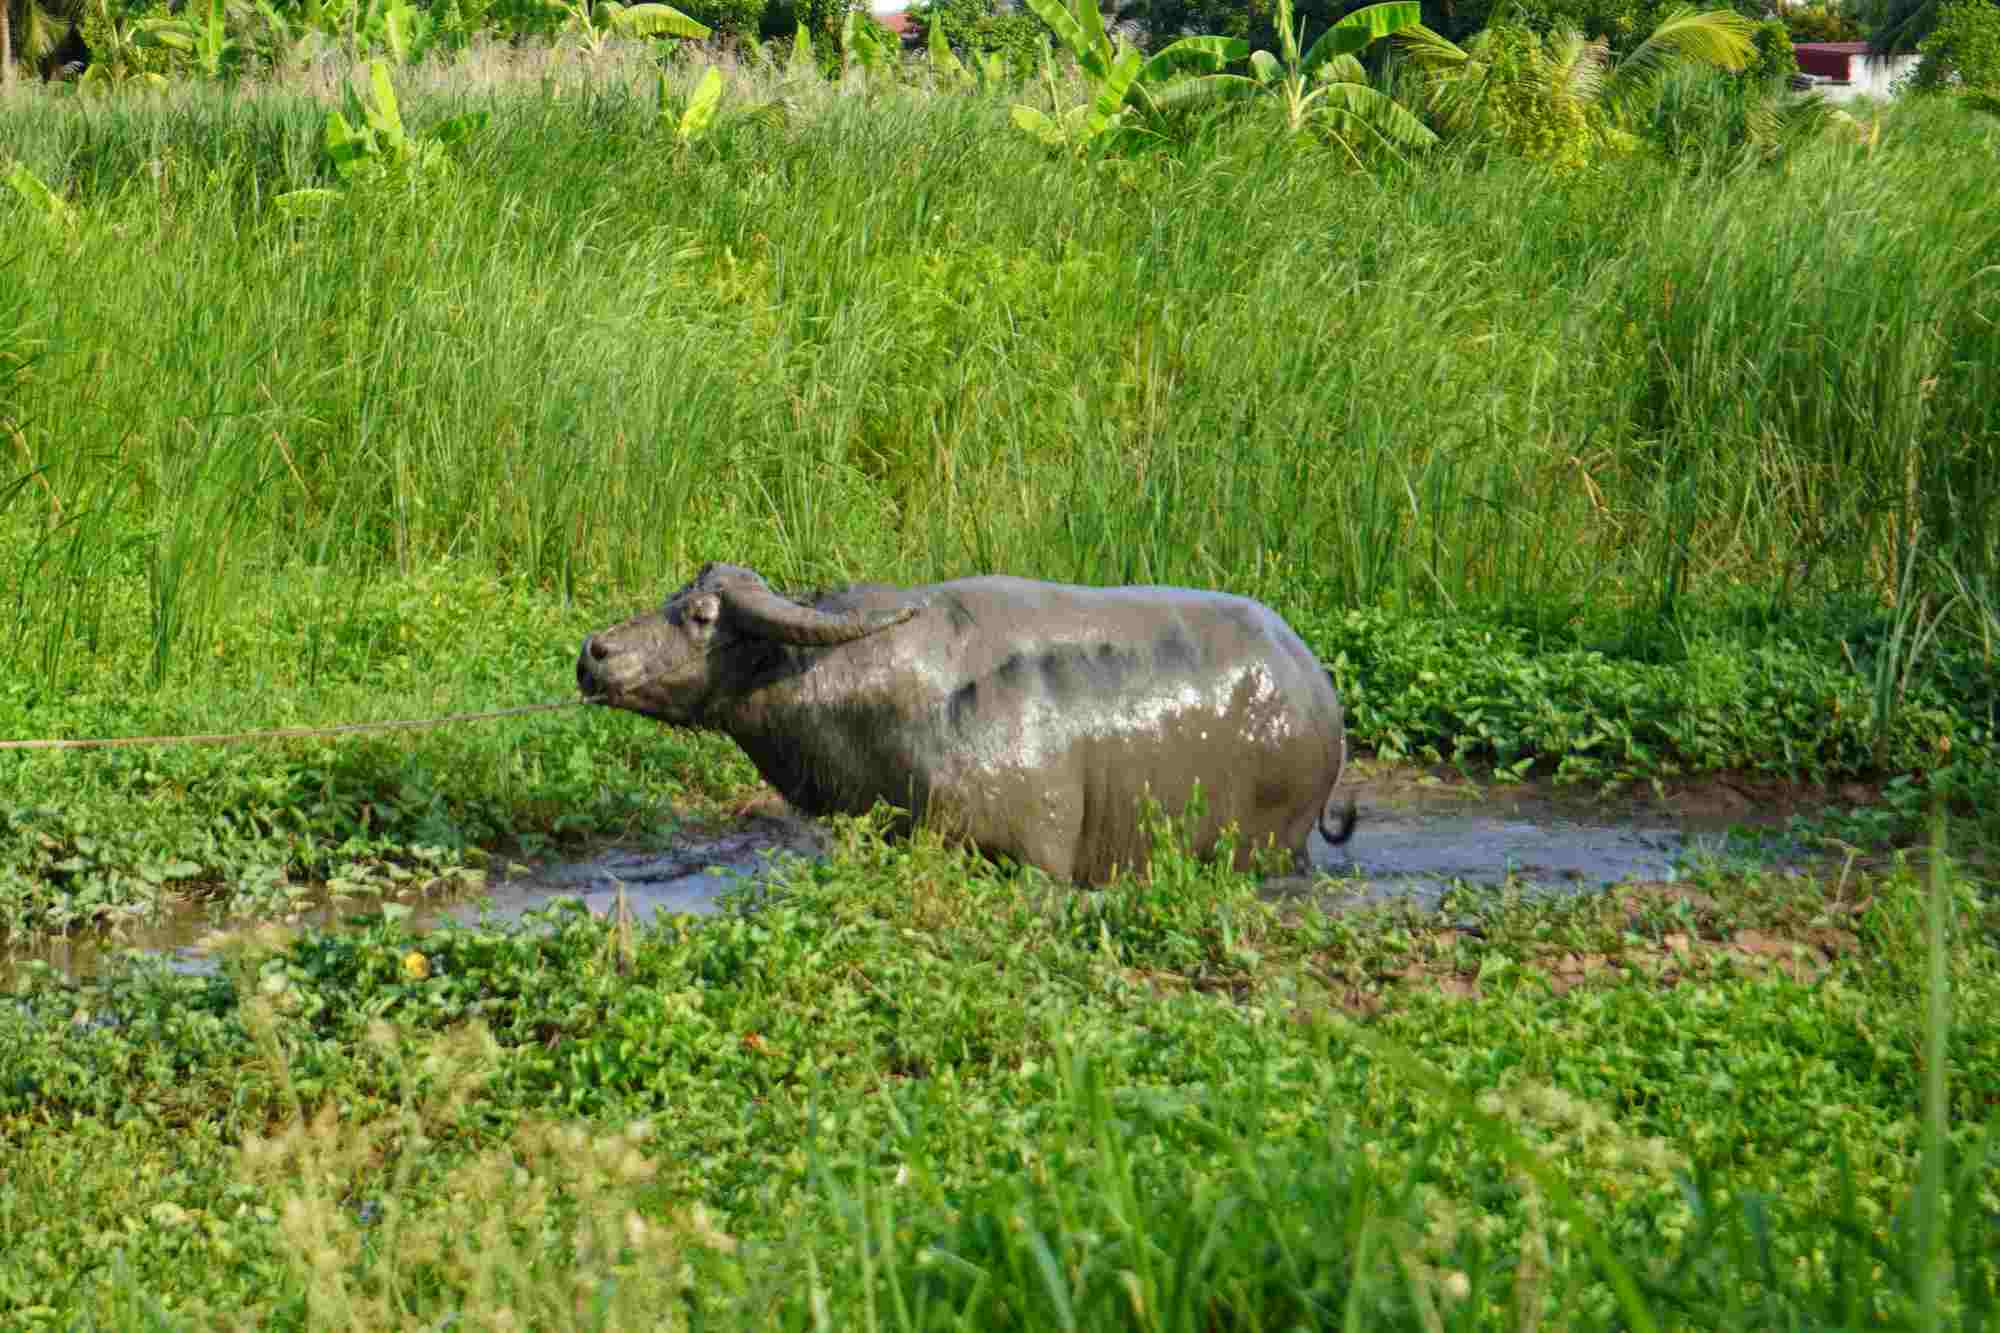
x,y
698,116
118,51
946,67
282,44
204,41
42,201
988,71
1096,122
595,24
1183,73
802,66
369,142
865,58
1328,85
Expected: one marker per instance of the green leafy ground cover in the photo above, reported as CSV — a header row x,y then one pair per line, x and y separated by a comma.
x,y
1610,493
931,1080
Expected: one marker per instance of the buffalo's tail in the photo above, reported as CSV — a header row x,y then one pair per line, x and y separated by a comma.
x,y
1348,818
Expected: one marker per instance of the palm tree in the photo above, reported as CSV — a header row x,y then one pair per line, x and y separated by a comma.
x,y
27,32
1573,81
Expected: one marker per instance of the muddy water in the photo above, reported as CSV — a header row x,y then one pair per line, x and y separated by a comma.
x,y
1419,834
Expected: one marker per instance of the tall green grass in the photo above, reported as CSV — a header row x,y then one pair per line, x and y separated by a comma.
x,y
892,338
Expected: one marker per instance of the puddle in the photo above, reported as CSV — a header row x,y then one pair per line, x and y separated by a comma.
x,y
688,878
1419,833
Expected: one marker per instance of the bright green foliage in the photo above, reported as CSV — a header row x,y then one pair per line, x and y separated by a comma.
x,y
1562,99
801,66
594,22
1821,23
1128,91
905,1075
205,42
42,202
699,114
1663,476
123,48
739,20
1963,50
369,141
869,52
1339,97
823,18
973,26
1522,96
1775,62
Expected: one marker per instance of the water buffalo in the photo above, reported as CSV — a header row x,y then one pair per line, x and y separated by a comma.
x,y
1028,717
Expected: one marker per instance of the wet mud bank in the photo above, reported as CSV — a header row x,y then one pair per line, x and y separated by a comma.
x,y
1420,835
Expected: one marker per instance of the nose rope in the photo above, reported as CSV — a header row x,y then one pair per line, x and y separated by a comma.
x,y
292,733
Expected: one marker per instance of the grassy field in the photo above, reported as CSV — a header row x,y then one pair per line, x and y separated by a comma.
x,y
1617,476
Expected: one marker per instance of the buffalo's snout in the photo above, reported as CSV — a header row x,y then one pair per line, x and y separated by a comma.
x,y
594,652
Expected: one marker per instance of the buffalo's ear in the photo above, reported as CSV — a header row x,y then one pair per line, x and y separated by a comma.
x,y
704,609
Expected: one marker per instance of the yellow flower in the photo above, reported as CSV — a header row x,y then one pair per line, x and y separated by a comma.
x,y
415,966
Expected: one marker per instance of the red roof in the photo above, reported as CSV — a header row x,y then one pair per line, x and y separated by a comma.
x,y
898,23
1829,60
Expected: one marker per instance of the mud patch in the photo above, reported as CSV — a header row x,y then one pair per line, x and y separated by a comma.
x,y
689,877
1421,834
1424,833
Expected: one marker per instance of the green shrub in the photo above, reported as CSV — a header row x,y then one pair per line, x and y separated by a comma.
x,y
822,18
1964,47
975,25
1776,60
1820,24
729,18
1531,112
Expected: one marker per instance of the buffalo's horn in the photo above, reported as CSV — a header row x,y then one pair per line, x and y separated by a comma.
x,y
765,614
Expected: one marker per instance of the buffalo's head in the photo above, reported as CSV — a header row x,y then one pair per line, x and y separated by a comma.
x,y
668,664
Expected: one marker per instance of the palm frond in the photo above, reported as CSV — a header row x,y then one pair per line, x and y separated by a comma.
x,y
1719,37
1430,50
1577,65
